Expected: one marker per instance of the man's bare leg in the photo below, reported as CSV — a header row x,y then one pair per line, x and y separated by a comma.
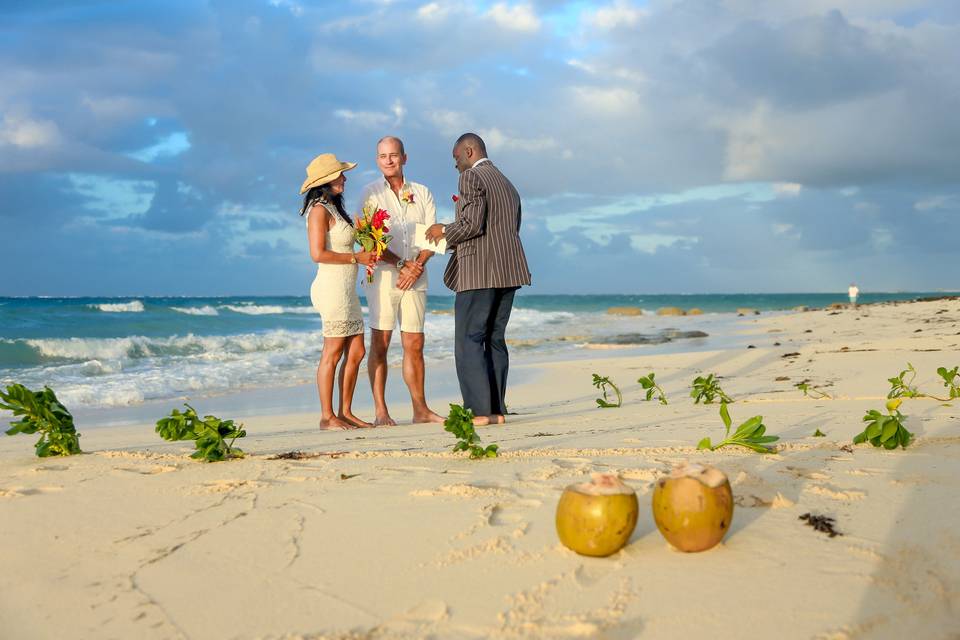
x,y
377,370
413,375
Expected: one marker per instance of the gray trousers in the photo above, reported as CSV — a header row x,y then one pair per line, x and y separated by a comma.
x,y
480,348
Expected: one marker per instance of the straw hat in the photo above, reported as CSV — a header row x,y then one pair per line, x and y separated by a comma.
x,y
323,169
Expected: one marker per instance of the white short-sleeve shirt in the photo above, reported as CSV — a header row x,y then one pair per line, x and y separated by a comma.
x,y
414,204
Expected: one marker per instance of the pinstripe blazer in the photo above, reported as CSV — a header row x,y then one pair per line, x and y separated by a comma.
x,y
486,233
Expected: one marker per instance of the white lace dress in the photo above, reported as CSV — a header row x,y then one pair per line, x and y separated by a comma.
x,y
334,289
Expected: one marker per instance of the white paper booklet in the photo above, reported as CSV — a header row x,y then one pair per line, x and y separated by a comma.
x,y
420,239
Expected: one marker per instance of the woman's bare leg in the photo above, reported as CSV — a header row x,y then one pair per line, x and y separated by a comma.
x,y
355,350
332,351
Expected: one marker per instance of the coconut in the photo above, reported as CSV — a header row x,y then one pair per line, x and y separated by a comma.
x,y
693,507
596,518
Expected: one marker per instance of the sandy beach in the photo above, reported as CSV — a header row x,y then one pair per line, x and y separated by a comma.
x,y
387,534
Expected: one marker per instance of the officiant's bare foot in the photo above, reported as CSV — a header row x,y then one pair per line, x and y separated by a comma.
x,y
384,421
333,423
355,421
427,416
498,419
481,421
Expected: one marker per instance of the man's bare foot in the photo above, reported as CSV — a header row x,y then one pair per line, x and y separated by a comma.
x,y
355,421
333,423
427,416
498,418
384,421
481,421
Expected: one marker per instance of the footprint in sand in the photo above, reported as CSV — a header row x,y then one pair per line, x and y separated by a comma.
x,y
17,492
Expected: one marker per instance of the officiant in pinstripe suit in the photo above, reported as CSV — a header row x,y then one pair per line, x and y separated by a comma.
x,y
486,269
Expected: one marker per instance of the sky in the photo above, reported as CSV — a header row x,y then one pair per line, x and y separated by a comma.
x,y
669,146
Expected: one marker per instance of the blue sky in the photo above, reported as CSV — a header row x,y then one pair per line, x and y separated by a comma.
x,y
664,146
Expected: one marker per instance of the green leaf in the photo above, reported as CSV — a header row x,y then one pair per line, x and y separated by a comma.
x,y
748,428
725,415
875,428
819,434
860,438
705,444
889,430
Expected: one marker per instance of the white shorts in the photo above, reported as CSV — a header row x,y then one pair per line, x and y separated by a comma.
x,y
389,304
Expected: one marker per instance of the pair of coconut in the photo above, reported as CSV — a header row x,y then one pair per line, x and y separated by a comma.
x,y
693,507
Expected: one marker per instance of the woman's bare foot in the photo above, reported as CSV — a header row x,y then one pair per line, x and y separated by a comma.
x,y
333,423
427,416
384,421
355,421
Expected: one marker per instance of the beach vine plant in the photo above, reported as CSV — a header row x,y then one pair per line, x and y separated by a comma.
x,y
209,434
603,383
707,389
902,387
651,386
951,378
41,412
460,424
885,431
811,391
751,434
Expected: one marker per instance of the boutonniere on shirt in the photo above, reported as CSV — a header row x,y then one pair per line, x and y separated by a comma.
x,y
455,197
407,197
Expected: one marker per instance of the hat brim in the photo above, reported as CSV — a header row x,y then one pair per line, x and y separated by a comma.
x,y
310,183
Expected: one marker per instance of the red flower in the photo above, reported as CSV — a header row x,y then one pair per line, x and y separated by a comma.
x,y
378,218
455,197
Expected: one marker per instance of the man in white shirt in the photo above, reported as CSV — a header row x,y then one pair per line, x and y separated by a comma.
x,y
853,291
398,292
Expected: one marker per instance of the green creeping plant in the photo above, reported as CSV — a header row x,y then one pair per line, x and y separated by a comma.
x,y
209,434
42,413
818,434
885,431
648,383
951,380
811,391
460,424
707,389
900,388
602,382
750,434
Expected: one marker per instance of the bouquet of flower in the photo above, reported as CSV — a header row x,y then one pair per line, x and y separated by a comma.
x,y
371,233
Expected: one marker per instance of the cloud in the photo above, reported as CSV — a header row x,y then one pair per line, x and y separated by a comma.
x,y
28,133
619,14
519,17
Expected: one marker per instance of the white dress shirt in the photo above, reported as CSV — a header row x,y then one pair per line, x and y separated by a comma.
x,y
404,216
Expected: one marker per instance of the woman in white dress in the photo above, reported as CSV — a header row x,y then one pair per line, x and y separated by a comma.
x,y
334,290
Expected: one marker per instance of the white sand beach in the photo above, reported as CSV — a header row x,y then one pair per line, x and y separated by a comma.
x,y
387,534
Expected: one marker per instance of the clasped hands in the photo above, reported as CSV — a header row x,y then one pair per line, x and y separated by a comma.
x,y
409,274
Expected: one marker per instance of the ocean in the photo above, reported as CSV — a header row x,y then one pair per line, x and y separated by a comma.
x,y
122,352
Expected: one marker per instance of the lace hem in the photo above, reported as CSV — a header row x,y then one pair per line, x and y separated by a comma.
x,y
342,328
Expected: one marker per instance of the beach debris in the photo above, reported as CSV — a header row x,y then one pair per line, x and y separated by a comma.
x,y
209,434
602,383
792,354
750,434
885,431
301,455
751,346
347,476
747,311
625,311
693,507
542,434
781,378
821,523
460,423
596,518
811,391
42,413
707,389
670,311
818,434
648,383
847,448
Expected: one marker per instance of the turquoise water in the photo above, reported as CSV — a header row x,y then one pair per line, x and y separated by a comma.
x,y
102,352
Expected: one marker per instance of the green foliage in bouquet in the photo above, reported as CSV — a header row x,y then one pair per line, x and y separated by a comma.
x,y
648,383
460,424
602,382
209,434
41,412
707,389
750,434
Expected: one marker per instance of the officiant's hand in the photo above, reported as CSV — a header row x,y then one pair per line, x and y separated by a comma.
x,y
434,233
